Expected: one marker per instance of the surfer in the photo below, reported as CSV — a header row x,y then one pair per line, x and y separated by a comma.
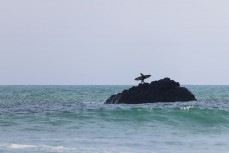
x,y
142,78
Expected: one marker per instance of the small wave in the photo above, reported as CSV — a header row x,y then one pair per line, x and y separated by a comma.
x,y
44,148
57,149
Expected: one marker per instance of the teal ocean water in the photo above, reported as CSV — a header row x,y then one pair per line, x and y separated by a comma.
x,y
73,119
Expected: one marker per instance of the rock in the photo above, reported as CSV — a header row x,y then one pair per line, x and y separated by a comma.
x,y
164,90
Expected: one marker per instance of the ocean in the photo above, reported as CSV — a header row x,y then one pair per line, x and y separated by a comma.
x,y
74,119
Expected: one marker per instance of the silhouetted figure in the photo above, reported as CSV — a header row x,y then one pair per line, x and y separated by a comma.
x,y
143,78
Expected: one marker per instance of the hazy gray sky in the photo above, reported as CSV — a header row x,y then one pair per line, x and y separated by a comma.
x,y
112,41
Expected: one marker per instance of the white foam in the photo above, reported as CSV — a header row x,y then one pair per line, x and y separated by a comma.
x,y
59,149
45,148
21,146
186,108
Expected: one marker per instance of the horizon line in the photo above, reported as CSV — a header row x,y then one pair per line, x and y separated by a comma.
x,y
104,84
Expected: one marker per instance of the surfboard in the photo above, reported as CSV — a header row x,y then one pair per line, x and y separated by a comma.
x,y
141,77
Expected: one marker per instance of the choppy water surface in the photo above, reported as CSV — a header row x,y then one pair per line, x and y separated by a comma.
x,y
74,119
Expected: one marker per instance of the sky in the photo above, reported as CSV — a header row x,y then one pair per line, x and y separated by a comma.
x,y
110,42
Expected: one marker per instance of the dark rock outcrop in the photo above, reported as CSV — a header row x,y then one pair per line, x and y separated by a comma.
x,y
164,90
